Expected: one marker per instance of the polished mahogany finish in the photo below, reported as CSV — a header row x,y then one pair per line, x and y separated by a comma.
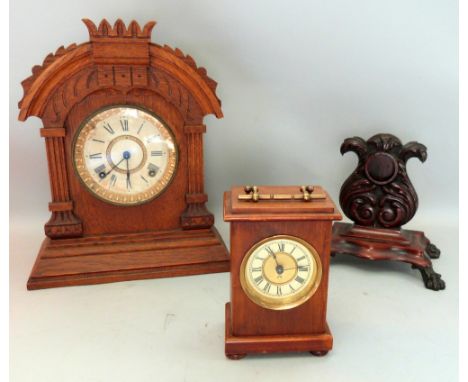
x,y
90,240
251,328
379,198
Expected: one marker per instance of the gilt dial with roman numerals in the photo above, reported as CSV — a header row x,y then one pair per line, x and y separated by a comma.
x,y
281,272
125,155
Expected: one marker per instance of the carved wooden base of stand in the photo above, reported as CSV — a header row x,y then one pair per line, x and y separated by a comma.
x,y
111,258
238,347
412,247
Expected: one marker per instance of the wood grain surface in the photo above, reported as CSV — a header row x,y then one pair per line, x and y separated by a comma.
x,y
120,66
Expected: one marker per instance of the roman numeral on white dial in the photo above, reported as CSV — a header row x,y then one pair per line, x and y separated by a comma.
x,y
125,155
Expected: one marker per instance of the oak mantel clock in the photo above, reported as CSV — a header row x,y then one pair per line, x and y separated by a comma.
x,y
123,126
280,252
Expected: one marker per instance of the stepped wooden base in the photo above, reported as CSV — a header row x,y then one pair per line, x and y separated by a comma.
x,y
111,258
412,247
238,347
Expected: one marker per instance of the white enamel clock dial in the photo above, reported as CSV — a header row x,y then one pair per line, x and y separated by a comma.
x,y
125,155
281,272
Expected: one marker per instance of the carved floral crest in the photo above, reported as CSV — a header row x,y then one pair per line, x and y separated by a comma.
x,y
379,192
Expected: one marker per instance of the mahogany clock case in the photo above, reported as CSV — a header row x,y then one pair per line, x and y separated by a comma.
x,y
249,318
251,328
91,241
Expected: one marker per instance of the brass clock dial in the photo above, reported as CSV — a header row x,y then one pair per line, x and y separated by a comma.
x,y
125,155
281,272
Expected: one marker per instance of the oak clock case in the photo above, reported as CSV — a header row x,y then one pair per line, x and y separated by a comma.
x,y
123,127
280,255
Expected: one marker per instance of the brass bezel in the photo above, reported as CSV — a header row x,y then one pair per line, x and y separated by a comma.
x,y
287,302
115,202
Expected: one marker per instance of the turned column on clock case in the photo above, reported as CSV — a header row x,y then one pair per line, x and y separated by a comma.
x,y
196,215
63,223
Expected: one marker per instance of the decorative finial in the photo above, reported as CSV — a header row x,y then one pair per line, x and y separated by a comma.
x,y
105,30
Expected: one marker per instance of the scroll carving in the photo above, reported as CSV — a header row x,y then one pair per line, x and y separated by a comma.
x,y
379,198
379,192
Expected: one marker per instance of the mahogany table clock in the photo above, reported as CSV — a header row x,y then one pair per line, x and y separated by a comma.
x,y
280,249
123,127
379,198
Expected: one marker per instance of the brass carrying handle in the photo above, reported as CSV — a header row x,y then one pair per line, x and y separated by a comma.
x,y
306,195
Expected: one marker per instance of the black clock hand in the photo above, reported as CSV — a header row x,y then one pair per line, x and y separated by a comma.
x,y
273,254
125,156
129,184
114,166
103,174
279,268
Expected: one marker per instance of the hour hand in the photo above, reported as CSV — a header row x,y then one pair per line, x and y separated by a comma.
x,y
103,174
272,254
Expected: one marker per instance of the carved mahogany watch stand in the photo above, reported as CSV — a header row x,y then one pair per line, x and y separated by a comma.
x,y
379,198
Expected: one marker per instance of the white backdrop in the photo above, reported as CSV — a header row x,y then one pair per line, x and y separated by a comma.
x,y
295,78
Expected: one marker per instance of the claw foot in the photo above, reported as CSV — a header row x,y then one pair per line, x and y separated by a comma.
x,y
432,251
432,280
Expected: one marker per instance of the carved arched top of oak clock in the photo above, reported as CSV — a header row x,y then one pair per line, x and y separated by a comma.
x,y
66,63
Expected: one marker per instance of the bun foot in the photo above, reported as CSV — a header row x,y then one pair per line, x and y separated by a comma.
x,y
319,353
235,356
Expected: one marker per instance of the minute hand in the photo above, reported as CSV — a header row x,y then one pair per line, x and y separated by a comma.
x,y
129,184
